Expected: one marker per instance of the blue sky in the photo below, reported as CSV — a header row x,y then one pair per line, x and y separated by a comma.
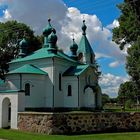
x,y
105,10
67,15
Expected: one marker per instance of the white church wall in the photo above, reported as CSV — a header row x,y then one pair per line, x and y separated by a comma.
x,y
60,66
37,90
70,101
87,78
21,101
13,99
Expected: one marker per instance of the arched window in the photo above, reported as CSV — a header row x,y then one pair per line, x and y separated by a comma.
x,y
27,89
60,84
80,57
69,90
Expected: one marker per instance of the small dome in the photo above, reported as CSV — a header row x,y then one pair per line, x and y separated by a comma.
x,y
74,46
84,27
23,43
52,38
47,31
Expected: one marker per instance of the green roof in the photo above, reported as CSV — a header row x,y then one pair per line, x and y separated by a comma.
x,y
42,53
28,69
84,46
10,91
75,70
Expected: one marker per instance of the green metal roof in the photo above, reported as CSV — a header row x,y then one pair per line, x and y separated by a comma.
x,y
11,91
28,69
84,46
75,70
43,53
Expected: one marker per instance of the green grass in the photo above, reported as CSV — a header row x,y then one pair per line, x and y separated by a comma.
x,y
18,135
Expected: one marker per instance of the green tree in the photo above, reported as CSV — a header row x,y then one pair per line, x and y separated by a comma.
x,y
128,33
129,29
133,63
127,93
11,33
105,99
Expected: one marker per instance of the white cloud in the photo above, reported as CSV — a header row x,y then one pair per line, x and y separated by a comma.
x,y
101,55
114,64
7,15
110,83
114,24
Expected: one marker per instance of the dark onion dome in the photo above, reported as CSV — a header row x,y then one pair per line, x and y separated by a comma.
x,y
47,31
84,27
23,43
74,46
52,38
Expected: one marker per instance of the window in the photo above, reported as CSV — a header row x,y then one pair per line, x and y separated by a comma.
x,y
60,82
27,89
69,90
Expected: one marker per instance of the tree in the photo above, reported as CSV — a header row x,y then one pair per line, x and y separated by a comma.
x,y
128,33
11,33
133,63
135,4
105,99
127,93
129,29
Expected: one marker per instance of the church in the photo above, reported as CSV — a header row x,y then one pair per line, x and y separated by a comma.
x,y
49,79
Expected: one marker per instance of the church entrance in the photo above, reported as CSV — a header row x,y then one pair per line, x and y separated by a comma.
x,y
6,113
89,100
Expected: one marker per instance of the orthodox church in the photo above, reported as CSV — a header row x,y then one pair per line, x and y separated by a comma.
x,y
50,79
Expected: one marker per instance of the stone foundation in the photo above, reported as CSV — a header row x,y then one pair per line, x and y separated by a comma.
x,y
78,123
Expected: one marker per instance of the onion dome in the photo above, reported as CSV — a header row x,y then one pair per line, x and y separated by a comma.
x,y
47,31
23,44
74,48
84,27
52,38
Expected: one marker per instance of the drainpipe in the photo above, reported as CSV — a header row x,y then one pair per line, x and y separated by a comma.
x,y
53,81
78,92
20,75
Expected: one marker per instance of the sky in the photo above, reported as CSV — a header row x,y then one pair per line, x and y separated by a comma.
x,y
67,15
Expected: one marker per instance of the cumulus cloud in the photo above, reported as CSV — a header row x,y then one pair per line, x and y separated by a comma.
x,y
114,24
110,83
114,64
101,55
7,15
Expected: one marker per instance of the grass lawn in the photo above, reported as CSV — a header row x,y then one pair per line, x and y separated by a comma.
x,y
18,135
